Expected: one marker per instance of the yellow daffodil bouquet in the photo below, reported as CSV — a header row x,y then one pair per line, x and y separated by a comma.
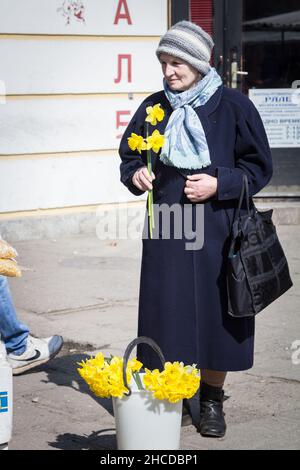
x,y
174,383
104,377
154,142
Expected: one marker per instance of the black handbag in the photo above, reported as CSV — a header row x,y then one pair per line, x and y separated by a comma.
x,y
257,269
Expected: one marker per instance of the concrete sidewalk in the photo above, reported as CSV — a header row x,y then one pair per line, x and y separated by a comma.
x,y
87,290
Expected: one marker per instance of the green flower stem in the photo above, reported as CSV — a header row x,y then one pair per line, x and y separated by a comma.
x,y
138,381
150,213
150,192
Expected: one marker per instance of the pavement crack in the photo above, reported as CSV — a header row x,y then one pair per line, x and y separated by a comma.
x,y
100,306
274,377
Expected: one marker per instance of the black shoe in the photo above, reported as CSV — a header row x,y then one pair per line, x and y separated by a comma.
x,y
212,422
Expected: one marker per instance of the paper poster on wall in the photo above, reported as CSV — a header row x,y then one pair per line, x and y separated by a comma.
x,y
279,109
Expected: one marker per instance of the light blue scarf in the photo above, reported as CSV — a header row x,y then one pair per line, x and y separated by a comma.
x,y
185,141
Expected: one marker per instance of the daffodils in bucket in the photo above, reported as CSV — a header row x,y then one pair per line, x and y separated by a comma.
x,y
155,141
147,412
104,378
174,383
104,375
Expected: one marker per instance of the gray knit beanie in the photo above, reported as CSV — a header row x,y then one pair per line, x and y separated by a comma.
x,y
188,42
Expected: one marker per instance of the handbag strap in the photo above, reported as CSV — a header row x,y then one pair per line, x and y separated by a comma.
x,y
245,189
140,339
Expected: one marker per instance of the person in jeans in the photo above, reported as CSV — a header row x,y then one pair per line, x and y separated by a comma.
x,y
24,352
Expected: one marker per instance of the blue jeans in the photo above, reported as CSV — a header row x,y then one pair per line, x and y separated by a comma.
x,y
13,333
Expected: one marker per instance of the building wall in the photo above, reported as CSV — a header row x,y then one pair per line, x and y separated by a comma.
x,y
72,74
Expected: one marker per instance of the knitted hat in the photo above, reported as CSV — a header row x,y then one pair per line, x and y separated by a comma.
x,y
188,42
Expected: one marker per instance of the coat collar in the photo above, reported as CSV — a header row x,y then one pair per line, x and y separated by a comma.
x,y
208,108
212,104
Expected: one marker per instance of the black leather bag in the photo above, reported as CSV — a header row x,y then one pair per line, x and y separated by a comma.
x,y
257,269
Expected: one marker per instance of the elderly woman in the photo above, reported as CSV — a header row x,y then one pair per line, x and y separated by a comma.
x,y
213,135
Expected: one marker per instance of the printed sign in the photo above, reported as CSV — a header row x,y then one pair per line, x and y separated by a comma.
x,y
3,402
280,113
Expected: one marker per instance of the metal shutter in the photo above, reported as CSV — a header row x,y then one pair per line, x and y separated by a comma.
x,y
201,13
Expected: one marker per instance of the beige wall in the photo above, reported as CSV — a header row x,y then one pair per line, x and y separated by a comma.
x,y
58,120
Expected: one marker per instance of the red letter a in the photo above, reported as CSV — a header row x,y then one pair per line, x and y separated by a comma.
x,y
125,15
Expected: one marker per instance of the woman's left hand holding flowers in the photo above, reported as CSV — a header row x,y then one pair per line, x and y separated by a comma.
x,y
200,187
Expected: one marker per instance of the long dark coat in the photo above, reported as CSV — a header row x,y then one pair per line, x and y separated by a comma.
x,y
183,298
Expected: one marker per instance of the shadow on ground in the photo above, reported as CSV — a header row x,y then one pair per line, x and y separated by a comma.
x,y
62,371
96,441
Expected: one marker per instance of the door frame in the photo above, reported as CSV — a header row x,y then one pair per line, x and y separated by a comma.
x,y
228,17
178,10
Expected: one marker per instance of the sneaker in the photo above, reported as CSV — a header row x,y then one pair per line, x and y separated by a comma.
x,y
38,351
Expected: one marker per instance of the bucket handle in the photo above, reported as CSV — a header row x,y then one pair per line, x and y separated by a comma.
x,y
136,341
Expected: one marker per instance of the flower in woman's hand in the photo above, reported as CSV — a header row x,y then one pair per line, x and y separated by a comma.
x,y
155,141
155,113
137,142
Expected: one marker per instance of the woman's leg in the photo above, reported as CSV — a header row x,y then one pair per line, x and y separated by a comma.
x,y
13,333
214,378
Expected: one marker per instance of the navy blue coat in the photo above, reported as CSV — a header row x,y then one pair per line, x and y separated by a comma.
x,y
183,298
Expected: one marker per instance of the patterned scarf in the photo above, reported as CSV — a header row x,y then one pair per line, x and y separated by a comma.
x,y
185,141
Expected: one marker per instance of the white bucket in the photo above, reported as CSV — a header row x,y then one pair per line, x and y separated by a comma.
x,y
6,401
143,422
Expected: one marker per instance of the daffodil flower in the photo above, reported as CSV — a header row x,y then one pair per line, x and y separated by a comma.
x,y
156,141
137,142
155,113
105,378
174,383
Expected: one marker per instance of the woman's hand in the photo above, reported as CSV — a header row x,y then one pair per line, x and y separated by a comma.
x,y
200,187
142,180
